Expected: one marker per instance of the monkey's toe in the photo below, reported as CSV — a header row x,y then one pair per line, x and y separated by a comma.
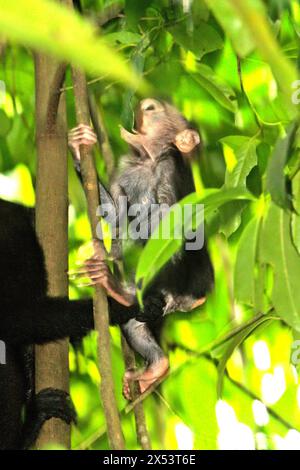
x,y
145,378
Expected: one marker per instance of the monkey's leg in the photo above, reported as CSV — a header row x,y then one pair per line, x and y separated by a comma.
x,y
48,403
141,340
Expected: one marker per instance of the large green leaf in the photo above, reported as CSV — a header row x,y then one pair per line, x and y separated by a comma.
x,y
234,27
191,393
215,86
248,27
244,272
200,40
240,156
54,29
278,250
231,217
276,179
296,215
158,251
123,37
236,342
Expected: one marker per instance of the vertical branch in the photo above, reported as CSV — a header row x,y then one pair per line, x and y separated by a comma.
x,y
99,128
142,434
51,363
101,317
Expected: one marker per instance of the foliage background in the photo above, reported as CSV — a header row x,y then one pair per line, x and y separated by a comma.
x,y
230,67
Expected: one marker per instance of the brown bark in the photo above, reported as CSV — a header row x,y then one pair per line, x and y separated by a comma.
x,y
52,367
142,434
101,317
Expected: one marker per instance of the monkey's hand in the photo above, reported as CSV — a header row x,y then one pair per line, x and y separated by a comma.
x,y
99,273
146,377
80,135
187,140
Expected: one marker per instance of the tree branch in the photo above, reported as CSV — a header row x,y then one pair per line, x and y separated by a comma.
x,y
140,421
101,317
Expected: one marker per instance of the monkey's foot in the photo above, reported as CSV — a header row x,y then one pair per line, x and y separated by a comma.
x,y
145,378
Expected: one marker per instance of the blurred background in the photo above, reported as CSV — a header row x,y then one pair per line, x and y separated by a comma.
x,y
204,58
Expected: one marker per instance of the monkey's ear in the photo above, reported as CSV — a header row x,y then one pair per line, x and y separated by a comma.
x,y
187,140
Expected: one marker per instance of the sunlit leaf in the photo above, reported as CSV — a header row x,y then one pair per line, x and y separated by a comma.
x,y
245,279
296,214
234,27
240,156
215,86
63,35
235,343
278,250
276,179
200,40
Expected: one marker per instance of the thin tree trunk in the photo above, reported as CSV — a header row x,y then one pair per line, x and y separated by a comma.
x,y
101,317
52,368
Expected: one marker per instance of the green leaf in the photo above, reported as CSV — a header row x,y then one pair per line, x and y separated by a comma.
x,y
158,251
185,392
199,11
201,40
278,250
276,179
235,343
216,87
296,215
252,16
54,29
233,26
122,37
5,124
231,217
240,157
244,272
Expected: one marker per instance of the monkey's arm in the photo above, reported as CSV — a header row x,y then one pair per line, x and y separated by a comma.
x,y
46,320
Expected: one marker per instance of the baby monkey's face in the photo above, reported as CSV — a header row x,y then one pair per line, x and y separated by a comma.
x,y
158,118
159,125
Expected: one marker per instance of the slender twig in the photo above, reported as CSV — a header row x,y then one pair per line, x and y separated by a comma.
x,y
101,317
99,128
140,420
144,395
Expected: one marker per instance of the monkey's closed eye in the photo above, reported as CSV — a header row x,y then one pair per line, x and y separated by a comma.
x,y
151,107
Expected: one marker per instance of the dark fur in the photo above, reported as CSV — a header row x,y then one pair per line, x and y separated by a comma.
x,y
27,317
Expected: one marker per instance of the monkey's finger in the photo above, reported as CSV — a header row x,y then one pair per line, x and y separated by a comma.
x,y
82,140
95,282
95,262
82,133
90,273
81,128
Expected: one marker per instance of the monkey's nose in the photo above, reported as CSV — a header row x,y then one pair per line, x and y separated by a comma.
x,y
149,104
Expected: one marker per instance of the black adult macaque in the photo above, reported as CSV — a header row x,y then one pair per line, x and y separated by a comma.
x,y
27,317
157,172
